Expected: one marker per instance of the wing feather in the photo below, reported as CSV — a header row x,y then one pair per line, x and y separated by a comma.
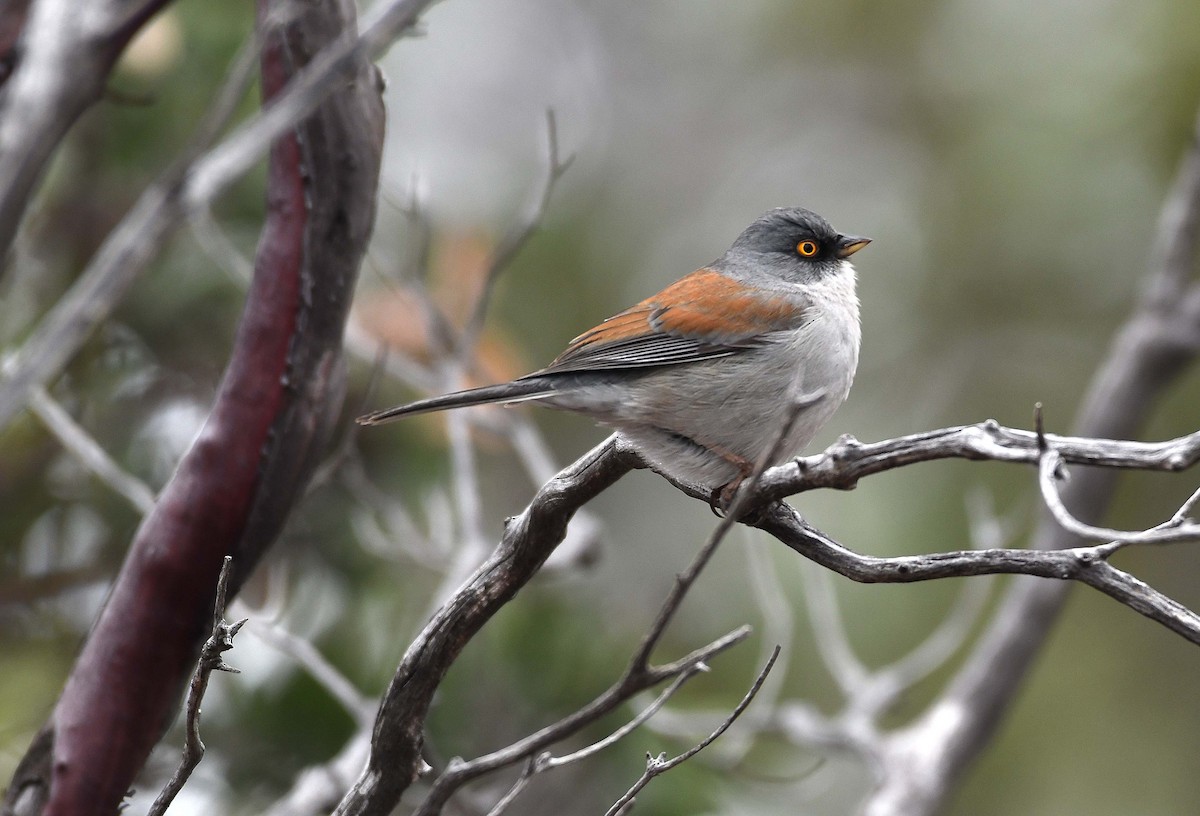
x,y
700,317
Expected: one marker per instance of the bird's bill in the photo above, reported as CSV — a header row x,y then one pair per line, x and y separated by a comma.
x,y
849,244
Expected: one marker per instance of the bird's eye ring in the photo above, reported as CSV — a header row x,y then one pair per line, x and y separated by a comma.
x,y
807,248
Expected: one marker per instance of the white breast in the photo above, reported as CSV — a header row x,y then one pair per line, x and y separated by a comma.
x,y
694,420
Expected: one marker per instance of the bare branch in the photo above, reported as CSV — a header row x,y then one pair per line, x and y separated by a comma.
x,y
656,766
645,714
843,464
88,451
1156,344
336,684
530,536
1174,529
637,677
220,641
545,761
1085,564
514,240
528,540
778,617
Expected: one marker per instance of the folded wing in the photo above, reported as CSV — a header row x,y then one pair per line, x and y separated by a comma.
x,y
699,317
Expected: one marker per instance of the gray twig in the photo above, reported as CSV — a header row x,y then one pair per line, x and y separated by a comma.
x,y
658,765
220,641
514,240
637,677
336,684
1051,470
546,761
88,451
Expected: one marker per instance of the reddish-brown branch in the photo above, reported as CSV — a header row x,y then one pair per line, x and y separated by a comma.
x,y
12,20
233,490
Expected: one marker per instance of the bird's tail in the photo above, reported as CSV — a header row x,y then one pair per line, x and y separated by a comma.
x,y
516,391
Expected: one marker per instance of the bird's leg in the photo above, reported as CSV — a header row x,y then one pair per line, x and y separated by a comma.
x,y
722,497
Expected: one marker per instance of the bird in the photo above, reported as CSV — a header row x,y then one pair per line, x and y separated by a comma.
x,y
702,377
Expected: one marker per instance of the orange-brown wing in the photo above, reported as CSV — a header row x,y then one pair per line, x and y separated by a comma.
x,y
699,317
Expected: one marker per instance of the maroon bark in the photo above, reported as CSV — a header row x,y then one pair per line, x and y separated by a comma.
x,y
12,20
270,422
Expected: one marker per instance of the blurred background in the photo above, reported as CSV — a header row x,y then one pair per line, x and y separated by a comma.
x,y
1008,159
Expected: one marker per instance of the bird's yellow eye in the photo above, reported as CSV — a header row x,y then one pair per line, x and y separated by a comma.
x,y
807,248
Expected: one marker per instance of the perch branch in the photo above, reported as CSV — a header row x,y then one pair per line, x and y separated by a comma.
x,y
1156,344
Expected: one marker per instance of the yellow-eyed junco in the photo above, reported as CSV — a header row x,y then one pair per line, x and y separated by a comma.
x,y
698,377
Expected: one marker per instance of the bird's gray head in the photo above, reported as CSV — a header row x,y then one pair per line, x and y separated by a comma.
x,y
795,243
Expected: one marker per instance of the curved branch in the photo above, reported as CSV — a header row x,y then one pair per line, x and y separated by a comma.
x,y
233,490
1084,564
1147,355
528,541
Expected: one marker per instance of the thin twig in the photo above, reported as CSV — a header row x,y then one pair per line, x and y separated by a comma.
x,y
829,632
1051,470
645,714
545,761
515,239
637,677
336,684
1185,510
656,766
778,627
221,640
88,451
